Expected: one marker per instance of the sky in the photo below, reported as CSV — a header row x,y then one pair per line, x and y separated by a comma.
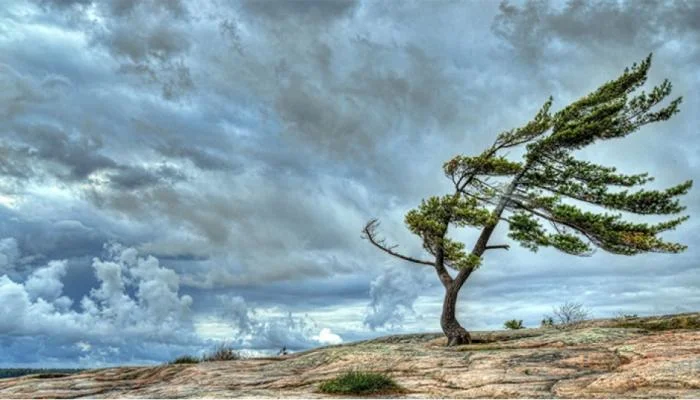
x,y
177,174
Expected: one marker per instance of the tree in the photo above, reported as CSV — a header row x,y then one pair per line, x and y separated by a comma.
x,y
569,314
514,324
542,196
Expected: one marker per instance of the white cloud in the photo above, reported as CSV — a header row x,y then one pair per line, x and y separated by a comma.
x,y
271,329
109,316
326,336
46,282
393,294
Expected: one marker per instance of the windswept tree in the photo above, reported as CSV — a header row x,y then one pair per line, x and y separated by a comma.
x,y
549,198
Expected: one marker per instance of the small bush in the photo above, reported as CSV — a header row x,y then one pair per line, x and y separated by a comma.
x,y
185,360
357,382
623,317
547,321
570,314
514,324
223,352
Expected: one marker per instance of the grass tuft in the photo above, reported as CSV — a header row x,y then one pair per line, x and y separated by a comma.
x,y
359,382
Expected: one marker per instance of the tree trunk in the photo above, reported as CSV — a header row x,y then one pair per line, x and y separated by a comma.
x,y
456,334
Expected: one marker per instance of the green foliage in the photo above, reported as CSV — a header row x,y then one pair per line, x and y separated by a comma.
x,y
589,182
514,324
533,129
547,321
430,221
527,230
607,113
360,383
542,187
482,165
185,360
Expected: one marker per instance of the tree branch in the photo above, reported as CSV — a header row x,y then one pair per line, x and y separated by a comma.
x,y
497,246
582,231
370,233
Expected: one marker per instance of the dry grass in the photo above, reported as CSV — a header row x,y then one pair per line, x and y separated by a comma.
x,y
223,352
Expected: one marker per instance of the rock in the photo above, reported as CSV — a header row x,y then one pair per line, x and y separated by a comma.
x,y
644,357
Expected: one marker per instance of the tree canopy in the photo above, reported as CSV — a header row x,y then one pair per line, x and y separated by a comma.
x,y
540,196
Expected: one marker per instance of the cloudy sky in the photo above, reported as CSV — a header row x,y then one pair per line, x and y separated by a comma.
x,y
178,173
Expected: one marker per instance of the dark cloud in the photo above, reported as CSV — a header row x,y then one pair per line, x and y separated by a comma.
x,y
315,9
202,158
148,39
601,25
79,154
65,3
129,178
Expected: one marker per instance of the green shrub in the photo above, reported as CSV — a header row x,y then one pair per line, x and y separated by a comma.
x,y
223,352
547,321
185,360
514,324
358,382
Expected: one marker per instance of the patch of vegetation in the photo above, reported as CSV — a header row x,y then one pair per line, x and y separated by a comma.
x,y
361,383
514,324
43,373
567,315
623,316
224,352
185,360
547,322
661,324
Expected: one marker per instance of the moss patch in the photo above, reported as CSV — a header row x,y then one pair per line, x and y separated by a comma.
x,y
662,324
361,383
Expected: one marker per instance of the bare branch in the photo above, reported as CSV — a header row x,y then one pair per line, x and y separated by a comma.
x,y
369,232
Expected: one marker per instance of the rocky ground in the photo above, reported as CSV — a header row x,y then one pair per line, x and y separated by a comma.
x,y
636,357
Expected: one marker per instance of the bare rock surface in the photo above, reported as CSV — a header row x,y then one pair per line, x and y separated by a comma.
x,y
655,357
